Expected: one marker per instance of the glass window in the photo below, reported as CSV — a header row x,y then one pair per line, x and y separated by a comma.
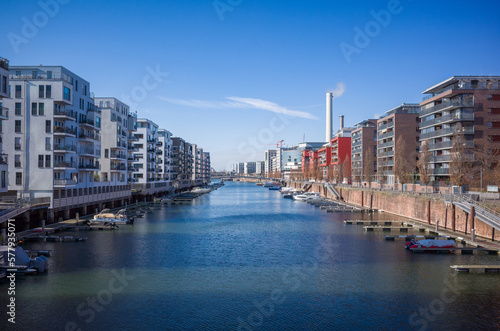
x,y
4,84
33,109
48,126
48,145
19,178
41,93
17,126
67,94
18,92
40,161
17,161
41,109
17,143
49,74
34,74
47,161
48,91
4,179
17,110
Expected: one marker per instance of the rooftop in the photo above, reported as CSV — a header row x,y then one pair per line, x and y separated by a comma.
x,y
455,79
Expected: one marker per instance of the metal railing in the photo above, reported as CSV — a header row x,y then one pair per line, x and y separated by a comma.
x,y
447,104
448,118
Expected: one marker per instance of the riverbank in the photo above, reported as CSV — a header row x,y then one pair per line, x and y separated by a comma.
x,y
420,208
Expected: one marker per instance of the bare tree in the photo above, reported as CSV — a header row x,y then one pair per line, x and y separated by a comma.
x,y
316,171
423,164
346,167
460,165
485,159
402,166
369,165
330,173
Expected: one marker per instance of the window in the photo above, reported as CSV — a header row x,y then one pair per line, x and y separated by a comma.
x,y
49,74
18,92
41,93
47,161
4,84
17,126
40,161
17,110
48,126
76,85
67,94
17,143
48,91
19,178
85,90
106,153
34,74
41,109
4,179
33,108
17,161
48,145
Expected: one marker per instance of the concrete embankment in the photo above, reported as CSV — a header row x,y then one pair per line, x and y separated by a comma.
x,y
420,208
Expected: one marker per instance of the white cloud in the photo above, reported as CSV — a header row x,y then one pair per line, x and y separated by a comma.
x,y
240,103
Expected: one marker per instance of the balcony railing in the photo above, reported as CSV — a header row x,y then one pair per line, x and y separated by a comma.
x,y
4,63
448,118
440,171
440,158
64,182
67,148
66,113
118,155
386,135
447,104
446,131
95,137
3,159
121,167
65,129
4,113
89,166
63,164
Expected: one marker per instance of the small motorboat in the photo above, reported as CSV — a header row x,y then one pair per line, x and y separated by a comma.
x,y
17,261
288,196
105,217
307,196
275,188
431,243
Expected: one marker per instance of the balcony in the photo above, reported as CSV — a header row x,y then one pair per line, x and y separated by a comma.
x,y
89,167
64,131
87,152
64,149
440,158
88,123
64,182
91,137
447,105
65,115
121,156
448,118
3,159
4,113
440,171
4,63
385,154
118,167
64,165
446,132
385,145
385,135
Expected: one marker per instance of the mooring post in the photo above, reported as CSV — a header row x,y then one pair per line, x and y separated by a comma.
x,y
429,212
453,218
473,235
472,218
437,225
362,196
43,225
77,218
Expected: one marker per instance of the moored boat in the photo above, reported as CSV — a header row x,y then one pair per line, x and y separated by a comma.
x,y
105,217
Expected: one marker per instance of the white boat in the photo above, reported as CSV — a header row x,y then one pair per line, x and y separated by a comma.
x,y
307,196
105,217
200,190
16,260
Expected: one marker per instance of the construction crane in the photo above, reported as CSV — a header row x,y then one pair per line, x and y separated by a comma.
x,y
279,144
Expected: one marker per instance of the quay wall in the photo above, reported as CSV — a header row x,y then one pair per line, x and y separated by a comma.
x,y
420,208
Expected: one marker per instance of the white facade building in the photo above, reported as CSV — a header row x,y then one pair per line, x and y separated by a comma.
x,y
4,115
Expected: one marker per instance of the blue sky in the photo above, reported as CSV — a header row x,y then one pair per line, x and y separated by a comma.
x,y
244,74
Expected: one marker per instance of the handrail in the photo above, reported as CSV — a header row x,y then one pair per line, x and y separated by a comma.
x,y
465,199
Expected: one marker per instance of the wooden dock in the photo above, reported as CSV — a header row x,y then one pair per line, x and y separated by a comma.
x,y
45,238
478,269
408,238
463,250
362,222
388,228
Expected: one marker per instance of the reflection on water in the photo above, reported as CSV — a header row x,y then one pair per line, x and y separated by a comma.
x,y
243,257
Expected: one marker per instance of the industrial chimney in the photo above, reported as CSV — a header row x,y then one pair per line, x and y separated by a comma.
x,y
341,122
329,114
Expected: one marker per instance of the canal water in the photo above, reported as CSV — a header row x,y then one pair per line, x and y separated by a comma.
x,y
243,258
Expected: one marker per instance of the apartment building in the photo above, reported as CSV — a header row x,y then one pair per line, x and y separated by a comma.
x,y
260,168
401,121
206,169
131,140
469,105
364,150
268,156
114,140
340,151
165,155
324,161
4,115
54,139
189,161
249,168
196,177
